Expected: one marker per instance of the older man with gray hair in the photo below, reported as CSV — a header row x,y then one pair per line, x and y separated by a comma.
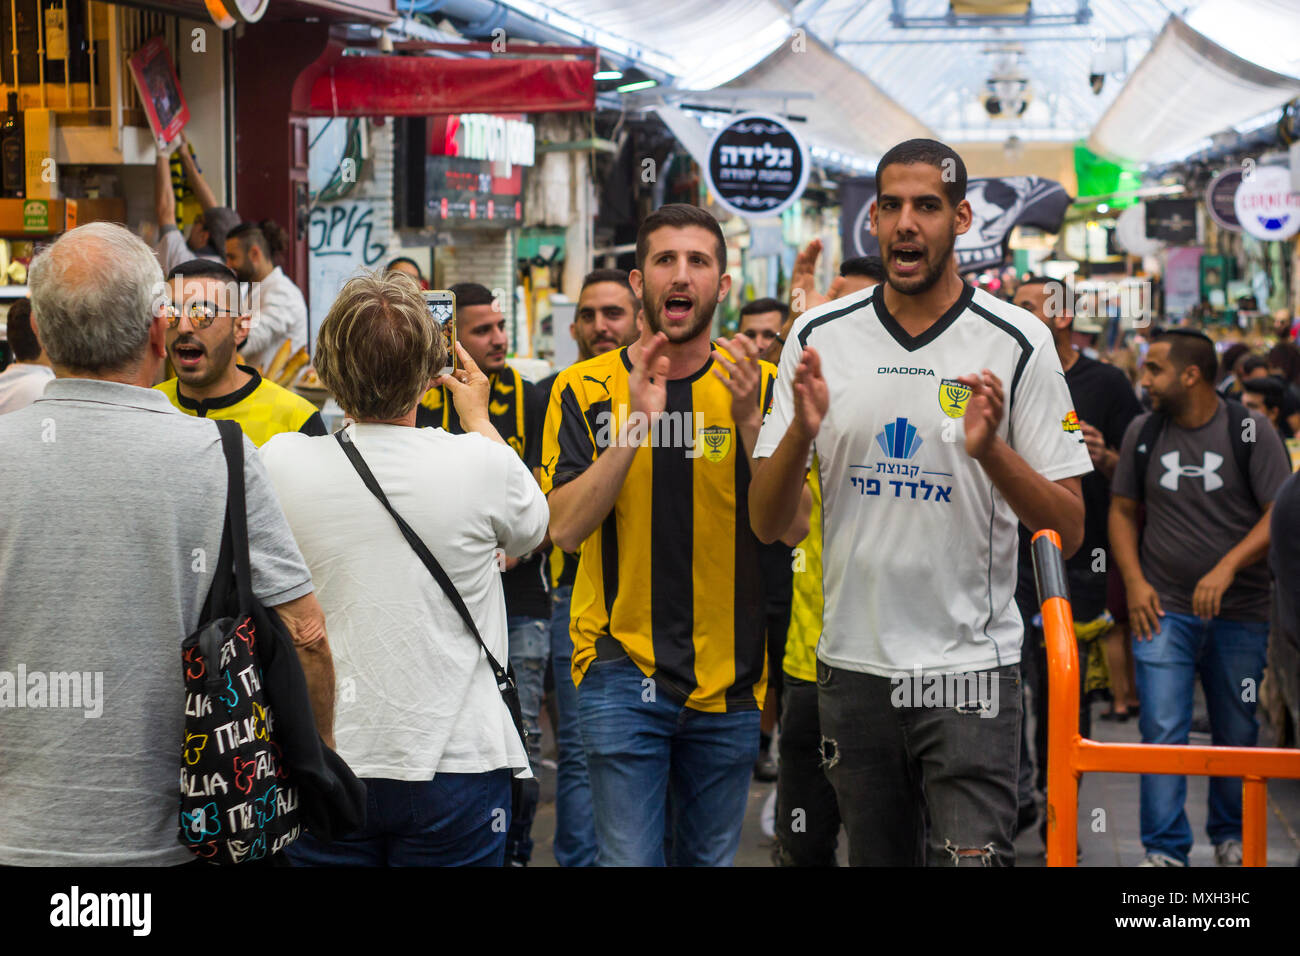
x,y
108,547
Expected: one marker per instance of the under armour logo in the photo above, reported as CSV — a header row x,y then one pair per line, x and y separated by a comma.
x,y
1206,472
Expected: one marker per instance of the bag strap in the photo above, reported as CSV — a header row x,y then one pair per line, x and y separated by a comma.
x,y
504,681
1142,450
232,444
1241,449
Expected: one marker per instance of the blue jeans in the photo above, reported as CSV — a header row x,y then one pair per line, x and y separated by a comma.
x,y
649,756
529,652
575,827
455,819
1225,654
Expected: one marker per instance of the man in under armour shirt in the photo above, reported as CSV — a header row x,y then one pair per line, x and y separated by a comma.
x,y
1198,590
940,417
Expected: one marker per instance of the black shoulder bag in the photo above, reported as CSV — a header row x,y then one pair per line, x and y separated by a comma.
x,y
254,770
504,676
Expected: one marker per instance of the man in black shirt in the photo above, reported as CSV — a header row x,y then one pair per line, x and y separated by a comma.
x,y
1104,403
517,409
607,318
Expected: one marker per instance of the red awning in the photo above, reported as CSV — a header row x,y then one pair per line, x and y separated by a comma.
x,y
389,85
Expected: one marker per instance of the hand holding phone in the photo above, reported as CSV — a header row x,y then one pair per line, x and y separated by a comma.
x,y
442,307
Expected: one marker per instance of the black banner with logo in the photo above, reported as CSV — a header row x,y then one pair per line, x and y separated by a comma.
x,y
998,205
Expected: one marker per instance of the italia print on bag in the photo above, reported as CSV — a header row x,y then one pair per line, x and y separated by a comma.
x,y
237,804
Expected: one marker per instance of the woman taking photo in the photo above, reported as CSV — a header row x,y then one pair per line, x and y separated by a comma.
x,y
418,714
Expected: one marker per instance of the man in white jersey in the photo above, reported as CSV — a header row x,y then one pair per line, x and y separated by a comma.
x,y
940,417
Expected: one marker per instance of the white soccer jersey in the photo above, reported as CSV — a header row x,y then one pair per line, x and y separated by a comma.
x,y
919,557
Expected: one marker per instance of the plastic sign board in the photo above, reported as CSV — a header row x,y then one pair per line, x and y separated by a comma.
x,y
1220,199
505,140
757,166
1266,205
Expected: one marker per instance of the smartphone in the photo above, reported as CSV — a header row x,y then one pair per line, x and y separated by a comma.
x,y
442,306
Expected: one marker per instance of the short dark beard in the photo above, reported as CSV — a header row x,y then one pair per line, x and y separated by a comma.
x,y
1171,405
932,274
703,319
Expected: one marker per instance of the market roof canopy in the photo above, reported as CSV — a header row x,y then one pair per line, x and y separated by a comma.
x,y
700,43
1185,89
941,62
339,85
848,112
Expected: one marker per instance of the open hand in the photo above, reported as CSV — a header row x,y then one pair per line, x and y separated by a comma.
x,y
742,378
811,396
983,412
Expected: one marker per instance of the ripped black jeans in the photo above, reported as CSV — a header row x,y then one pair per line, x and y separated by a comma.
x,y
924,767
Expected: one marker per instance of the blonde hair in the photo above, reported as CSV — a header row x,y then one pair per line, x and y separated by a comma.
x,y
379,347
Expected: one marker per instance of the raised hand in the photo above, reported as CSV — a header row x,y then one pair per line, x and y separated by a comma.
x,y
470,390
983,412
648,382
811,397
803,281
744,380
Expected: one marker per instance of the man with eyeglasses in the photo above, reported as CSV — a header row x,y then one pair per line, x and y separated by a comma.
x,y
202,325
761,321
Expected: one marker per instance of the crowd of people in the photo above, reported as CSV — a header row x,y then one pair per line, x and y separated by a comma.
x,y
814,532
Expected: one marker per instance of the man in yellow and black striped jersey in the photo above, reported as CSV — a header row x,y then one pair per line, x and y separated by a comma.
x,y
646,464
201,332
516,408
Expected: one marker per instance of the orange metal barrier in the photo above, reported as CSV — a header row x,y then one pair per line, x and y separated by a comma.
x,y
1070,755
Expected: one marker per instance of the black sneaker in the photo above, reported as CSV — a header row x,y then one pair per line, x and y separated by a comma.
x,y
765,769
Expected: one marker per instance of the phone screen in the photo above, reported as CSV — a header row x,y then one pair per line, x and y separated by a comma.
x,y
442,307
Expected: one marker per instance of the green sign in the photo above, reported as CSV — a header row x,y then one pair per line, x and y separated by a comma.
x,y
1098,176
36,216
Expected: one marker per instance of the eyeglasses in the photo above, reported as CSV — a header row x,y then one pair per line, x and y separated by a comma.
x,y
200,314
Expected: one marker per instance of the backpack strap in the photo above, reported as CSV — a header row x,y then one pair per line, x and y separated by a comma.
x,y
1146,444
1241,449
232,444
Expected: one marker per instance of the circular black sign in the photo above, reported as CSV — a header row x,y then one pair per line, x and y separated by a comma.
x,y
757,166
1220,199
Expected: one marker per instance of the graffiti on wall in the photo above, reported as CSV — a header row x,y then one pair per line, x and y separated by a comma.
x,y
344,237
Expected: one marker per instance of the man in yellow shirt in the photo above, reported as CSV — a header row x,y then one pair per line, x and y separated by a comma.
x,y
201,332
645,460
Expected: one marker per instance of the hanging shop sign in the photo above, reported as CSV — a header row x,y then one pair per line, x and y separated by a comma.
x,y
757,166
504,140
1220,199
464,192
1131,232
1171,220
1266,205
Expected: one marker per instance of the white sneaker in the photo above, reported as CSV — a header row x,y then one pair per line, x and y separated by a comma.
x,y
1228,853
767,817
1159,859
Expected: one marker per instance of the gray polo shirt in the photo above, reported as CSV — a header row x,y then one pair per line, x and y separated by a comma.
x,y
110,526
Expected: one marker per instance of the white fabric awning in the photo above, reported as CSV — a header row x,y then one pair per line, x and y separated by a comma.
x,y
848,113
1186,88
